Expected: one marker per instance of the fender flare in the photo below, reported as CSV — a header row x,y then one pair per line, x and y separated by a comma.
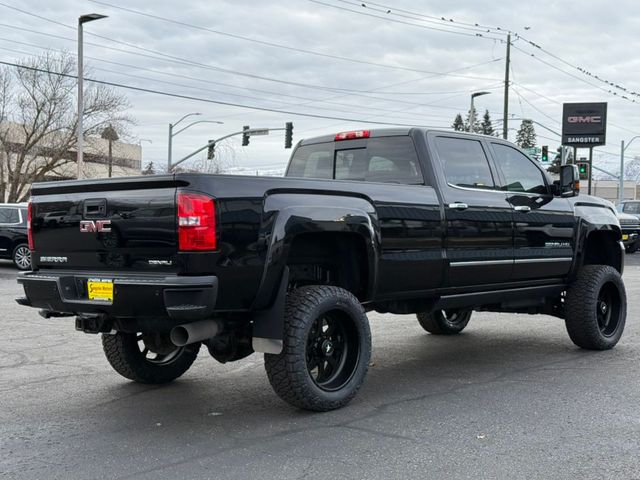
x,y
288,215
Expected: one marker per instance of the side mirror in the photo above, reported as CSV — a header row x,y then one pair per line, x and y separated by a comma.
x,y
569,184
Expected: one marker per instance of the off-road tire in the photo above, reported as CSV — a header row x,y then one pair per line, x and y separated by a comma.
x,y
290,372
20,256
443,322
633,248
124,355
583,305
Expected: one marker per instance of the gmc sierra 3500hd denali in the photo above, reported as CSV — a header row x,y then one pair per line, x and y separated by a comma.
x,y
408,221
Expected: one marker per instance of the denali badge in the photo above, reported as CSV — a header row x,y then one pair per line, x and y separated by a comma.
x,y
160,262
89,226
53,259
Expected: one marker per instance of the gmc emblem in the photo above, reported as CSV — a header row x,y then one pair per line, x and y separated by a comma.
x,y
101,226
587,119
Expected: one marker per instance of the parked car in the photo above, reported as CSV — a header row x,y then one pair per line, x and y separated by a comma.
x,y
408,221
631,207
630,226
14,244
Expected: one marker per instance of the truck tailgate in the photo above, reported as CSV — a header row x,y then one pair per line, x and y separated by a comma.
x,y
123,225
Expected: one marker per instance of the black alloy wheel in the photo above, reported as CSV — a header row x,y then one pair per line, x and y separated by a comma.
x,y
326,349
332,351
596,308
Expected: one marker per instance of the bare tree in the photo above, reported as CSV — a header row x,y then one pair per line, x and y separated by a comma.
x,y
38,121
223,159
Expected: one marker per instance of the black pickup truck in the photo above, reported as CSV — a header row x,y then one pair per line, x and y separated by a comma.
x,y
407,221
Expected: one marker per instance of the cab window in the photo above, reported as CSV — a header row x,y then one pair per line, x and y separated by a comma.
x,y
382,160
465,163
519,172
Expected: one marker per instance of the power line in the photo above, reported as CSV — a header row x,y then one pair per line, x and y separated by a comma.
x,y
474,35
217,102
272,44
494,30
221,83
442,19
422,18
178,60
222,92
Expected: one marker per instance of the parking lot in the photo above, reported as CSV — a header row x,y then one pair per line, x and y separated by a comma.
x,y
511,397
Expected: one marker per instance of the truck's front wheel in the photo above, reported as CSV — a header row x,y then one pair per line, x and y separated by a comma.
x,y
149,357
444,322
596,308
326,349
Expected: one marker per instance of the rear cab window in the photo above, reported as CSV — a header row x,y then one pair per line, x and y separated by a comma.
x,y
380,159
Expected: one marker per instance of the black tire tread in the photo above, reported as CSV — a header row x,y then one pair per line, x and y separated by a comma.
x,y
120,354
436,324
580,307
287,372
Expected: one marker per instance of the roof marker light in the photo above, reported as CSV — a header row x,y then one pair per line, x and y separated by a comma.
x,y
353,135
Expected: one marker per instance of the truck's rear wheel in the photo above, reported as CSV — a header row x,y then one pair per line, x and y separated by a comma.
x,y
148,357
596,308
444,322
326,351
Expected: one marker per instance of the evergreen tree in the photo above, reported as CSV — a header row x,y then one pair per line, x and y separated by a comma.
x,y
526,136
150,169
458,124
555,164
476,123
486,127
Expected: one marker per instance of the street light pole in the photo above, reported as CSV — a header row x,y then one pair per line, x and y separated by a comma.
x,y
472,116
623,147
80,129
171,135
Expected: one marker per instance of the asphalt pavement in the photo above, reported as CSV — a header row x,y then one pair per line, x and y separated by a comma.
x,y
509,398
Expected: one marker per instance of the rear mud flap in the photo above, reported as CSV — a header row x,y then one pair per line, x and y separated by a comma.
x,y
268,325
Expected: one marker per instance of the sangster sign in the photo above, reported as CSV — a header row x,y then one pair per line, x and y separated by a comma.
x,y
584,124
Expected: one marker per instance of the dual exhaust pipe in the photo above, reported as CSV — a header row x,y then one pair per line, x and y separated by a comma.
x,y
194,332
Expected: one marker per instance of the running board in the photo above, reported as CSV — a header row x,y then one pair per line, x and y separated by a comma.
x,y
478,299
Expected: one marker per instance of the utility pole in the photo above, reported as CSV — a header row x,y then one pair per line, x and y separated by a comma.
x,y
505,114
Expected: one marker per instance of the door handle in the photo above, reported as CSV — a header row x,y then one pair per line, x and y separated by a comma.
x,y
459,206
522,208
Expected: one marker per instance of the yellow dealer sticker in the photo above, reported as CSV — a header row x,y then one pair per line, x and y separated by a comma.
x,y
98,289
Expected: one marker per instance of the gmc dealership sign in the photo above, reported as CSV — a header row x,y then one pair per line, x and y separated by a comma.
x,y
584,124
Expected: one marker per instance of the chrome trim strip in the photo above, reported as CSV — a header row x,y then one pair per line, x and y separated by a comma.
x,y
480,262
475,263
544,260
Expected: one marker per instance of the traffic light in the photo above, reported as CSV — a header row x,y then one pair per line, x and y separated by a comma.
x,y
245,136
545,153
288,135
583,170
211,151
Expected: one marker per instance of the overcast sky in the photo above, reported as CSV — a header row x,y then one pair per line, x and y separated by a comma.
x,y
405,86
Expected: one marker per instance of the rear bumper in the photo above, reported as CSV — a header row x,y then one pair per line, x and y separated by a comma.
x,y
134,296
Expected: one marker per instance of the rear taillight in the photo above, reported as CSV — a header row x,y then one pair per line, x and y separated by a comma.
x,y
30,225
196,222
